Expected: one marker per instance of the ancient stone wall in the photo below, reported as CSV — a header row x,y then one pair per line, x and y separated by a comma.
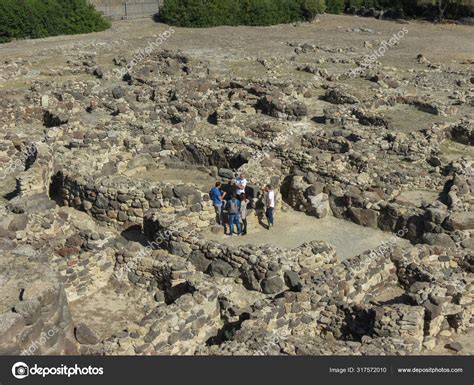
x,y
433,225
37,178
112,201
84,273
273,270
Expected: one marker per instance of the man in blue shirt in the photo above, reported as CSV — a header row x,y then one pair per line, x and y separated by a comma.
x,y
217,197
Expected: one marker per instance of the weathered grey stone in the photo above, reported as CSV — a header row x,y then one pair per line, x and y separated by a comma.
x,y
85,335
273,285
219,268
364,217
293,281
443,240
30,310
19,222
226,173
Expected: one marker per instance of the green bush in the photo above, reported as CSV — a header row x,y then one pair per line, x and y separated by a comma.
x,y
32,19
210,13
335,6
311,8
416,8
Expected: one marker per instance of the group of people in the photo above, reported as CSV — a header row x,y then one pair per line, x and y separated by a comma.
x,y
232,204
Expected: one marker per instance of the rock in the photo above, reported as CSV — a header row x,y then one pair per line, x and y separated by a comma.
x,y
10,326
117,92
226,173
364,217
460,221
19,222
400,321
339,96
468,243
276,106
45,101
159,296
442,239
85,335
319,205
30,310
54,119
436,215
273,285
293,281
200,261
98,73
455,346
250,281
219,268
187,194
429,343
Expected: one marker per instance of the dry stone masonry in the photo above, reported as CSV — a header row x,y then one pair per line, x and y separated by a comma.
x,y
106,219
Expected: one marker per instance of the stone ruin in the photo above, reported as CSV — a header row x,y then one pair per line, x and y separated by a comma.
x,y
86,216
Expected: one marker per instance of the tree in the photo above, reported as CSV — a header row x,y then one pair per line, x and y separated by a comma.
x,y
442,5
335,6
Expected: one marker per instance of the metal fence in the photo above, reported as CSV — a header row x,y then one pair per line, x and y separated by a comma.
x,y
131,9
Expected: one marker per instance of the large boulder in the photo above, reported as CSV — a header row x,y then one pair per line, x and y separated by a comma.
x,y
293,280
187,194
364,217
273,285
319,205
460,221
443,240
19,222
219,267
85,335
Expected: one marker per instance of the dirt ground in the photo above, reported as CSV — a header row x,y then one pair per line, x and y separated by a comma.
x,y
127,307
293,228
228,48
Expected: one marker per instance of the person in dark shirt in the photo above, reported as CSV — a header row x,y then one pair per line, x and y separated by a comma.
x,y
228,189
233,207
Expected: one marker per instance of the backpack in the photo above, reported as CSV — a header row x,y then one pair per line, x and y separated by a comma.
x,y
233,206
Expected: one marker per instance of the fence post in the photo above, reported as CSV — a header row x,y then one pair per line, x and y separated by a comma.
x,y
126,13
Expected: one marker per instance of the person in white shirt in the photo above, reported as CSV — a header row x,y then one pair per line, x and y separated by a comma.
x,y
270,203
240,184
